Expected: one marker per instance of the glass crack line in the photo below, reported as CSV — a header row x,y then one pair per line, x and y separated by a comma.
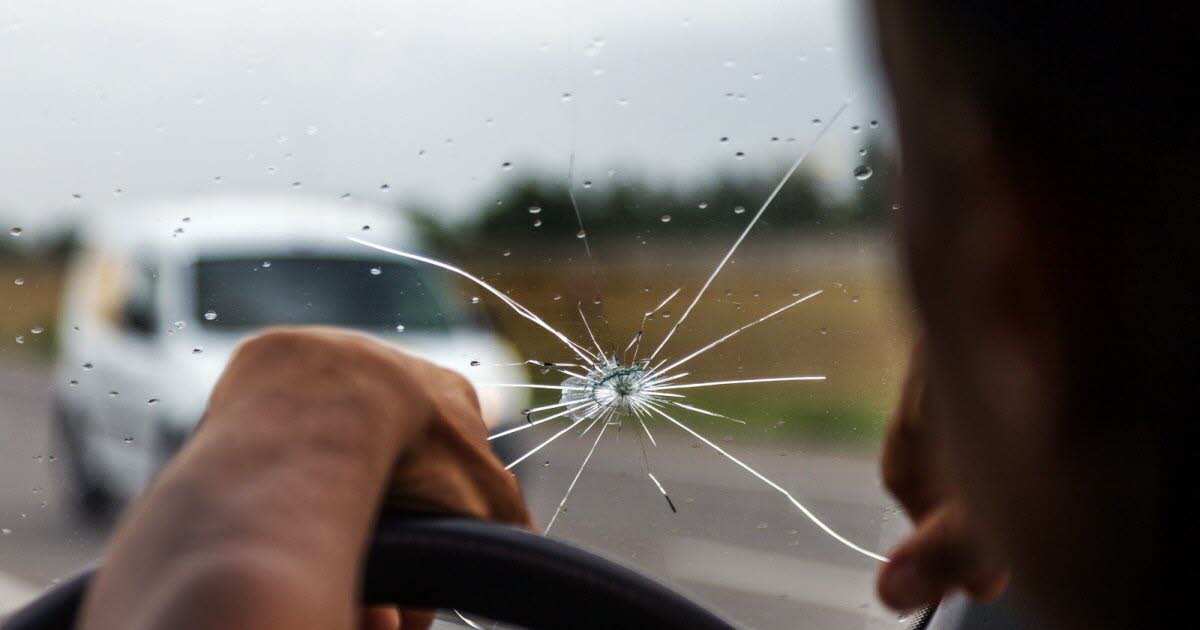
x,y
800,506
750,226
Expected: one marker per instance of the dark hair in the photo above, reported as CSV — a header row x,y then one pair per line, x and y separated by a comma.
x,y
1089,99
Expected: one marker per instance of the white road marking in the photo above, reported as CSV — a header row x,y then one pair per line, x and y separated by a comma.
x,y
14,593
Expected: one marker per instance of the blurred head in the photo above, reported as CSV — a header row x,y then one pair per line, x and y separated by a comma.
x,y
1043,219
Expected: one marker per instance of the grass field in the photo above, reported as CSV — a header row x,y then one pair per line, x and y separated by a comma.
x,y
856,332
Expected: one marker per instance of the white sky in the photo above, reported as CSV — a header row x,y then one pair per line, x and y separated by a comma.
x,y
160,98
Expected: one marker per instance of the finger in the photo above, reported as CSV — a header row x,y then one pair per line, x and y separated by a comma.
x,y
416,619
908,460
941,555
380,618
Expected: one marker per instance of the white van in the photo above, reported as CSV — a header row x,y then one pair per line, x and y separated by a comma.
x,y
158,297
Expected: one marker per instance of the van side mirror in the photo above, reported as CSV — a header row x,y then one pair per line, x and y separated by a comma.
x,y
138,317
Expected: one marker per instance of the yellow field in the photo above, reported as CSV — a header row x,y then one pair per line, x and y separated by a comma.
x,y
856,332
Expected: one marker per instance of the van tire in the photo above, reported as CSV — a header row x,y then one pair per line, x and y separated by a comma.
x,y
90,500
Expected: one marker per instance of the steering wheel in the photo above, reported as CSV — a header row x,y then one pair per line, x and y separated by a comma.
x,y
502,573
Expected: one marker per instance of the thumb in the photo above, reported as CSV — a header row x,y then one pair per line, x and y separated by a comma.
x,y
941,555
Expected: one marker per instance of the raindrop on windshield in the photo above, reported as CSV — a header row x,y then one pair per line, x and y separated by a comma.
x,y
666,218
399,327
863,173
375,271
210,315
15,231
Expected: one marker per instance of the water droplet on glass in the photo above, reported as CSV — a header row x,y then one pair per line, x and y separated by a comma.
x,y
474,363
581,234
385,187
874,124
537,223
15,231
740,155
739,210
19,282
399,327
73,382
210,315
566,96
535,209
474,299
88,366
266,264
375,271
507,252
366,228
666,218
702,205
19,339
507,166
152,401
114,393
863,173
197,350
37,330
5,531
127,440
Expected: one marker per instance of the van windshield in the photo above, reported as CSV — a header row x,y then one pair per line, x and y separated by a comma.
x,y
238,293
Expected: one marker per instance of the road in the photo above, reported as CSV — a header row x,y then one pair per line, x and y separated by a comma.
x,y
735,544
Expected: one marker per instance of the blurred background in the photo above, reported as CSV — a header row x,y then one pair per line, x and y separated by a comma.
x,y
175,175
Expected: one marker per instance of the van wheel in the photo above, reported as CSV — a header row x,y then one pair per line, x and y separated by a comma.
x,y
90,499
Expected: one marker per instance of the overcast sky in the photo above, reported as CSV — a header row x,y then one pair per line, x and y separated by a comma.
x,y
159,99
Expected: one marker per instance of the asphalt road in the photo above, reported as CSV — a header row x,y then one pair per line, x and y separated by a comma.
x,y
734,544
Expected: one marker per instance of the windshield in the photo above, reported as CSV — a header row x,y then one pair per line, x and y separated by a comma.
x,y
655,236
240,293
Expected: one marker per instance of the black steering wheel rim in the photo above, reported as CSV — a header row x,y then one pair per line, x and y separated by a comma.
x,y
501,573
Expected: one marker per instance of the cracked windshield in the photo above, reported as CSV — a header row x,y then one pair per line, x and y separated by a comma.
x,y
655,237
